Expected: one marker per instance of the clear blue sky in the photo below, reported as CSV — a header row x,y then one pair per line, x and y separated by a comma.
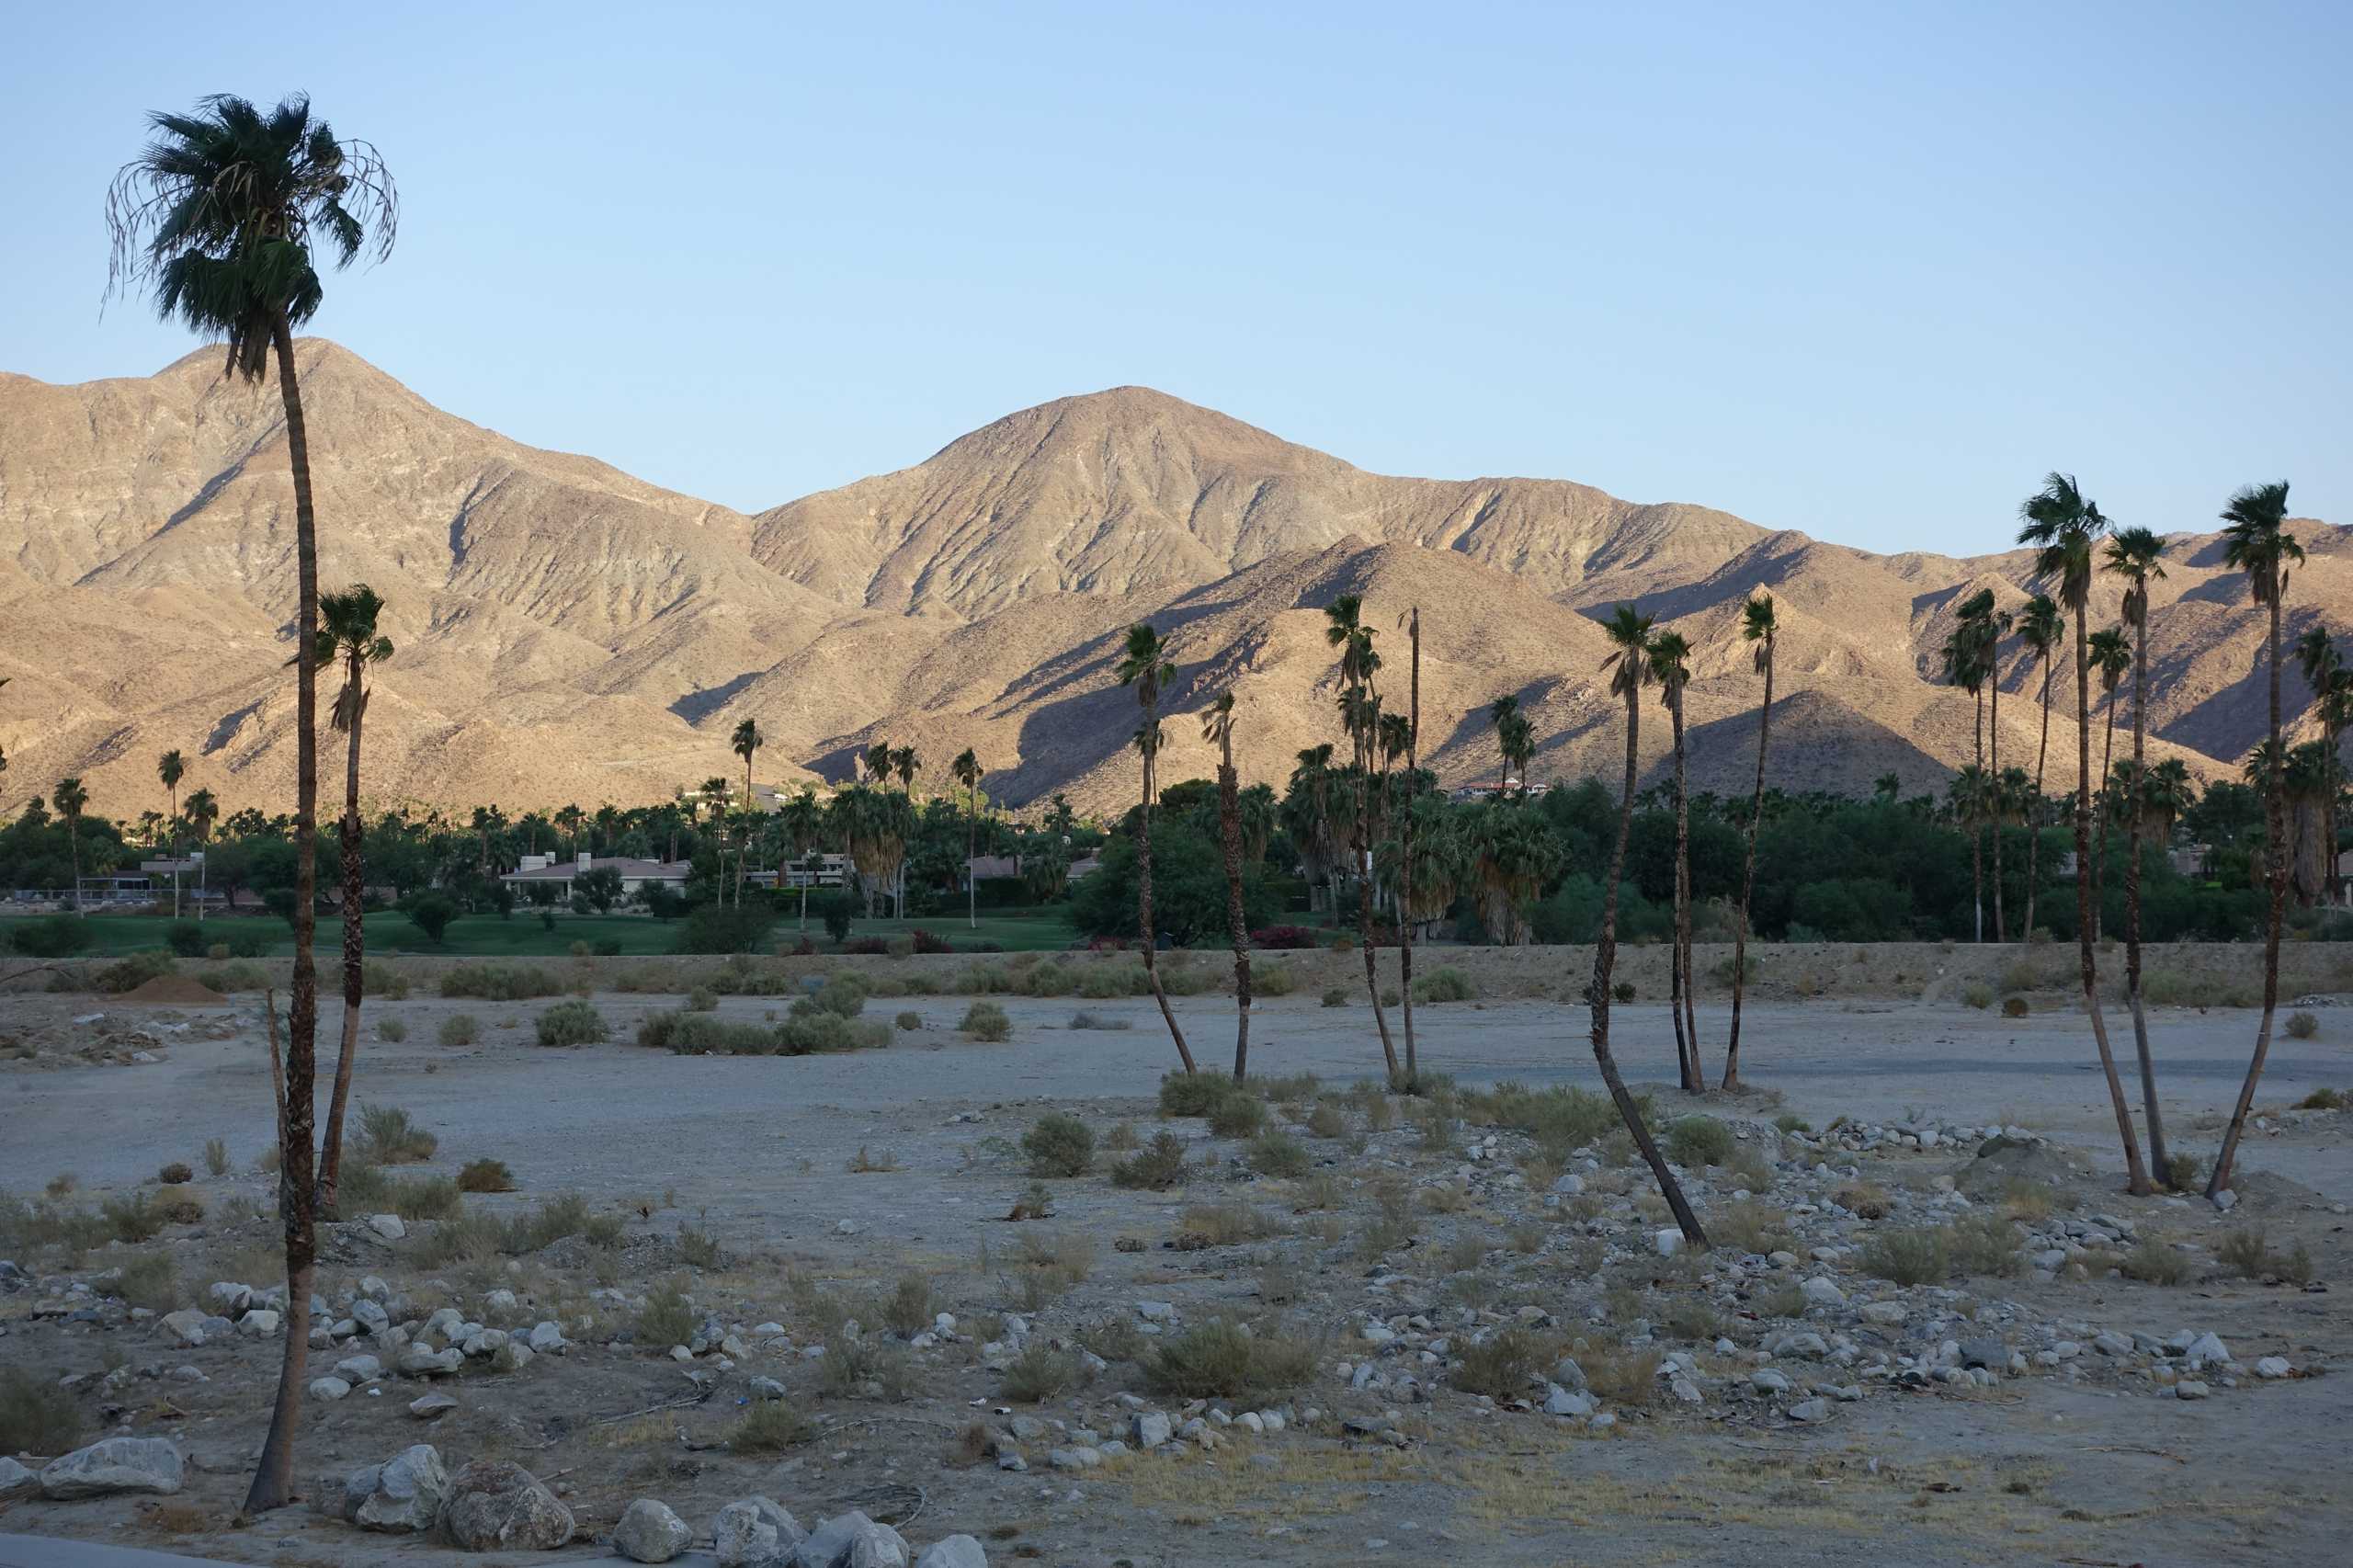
x,y
1866,271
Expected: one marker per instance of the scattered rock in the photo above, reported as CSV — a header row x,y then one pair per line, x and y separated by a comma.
x,y
649,1532
402,1496
756,1532
2273,1367
388,1226
329,1388
954,1552
15,1480
1810,1410
852,1540
115,1464
497,1507
431,1406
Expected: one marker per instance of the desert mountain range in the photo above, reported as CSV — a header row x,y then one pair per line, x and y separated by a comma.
x,y
566,632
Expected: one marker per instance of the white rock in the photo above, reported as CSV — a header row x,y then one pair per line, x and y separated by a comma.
x,y
1823,1292
756,1532
954,1552
1668,1243
388,1226
2273,1367
651,1533
403,1495
258,1323
115,1464
329,1388
15,1480
2189,1389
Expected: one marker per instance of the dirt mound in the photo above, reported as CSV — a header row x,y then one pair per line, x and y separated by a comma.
x,y
172,990
2001,1160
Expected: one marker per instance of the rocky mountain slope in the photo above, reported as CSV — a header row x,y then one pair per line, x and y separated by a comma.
x,y
566,632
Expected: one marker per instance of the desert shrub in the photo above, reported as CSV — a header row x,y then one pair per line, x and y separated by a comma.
x,y
1864,1198
387,1137
1224,1224
770,1426
1914,1256
391,1030
460,1028
575,1022
2153,1263
1697,1141
51,937
1085,1020
130,973
1623,990
130,1220
1751,1227
216,1156
362,1189
1272,980
1185,980
1750,969
908,1310
2247,1253
1789,1121
1444,984
179,1206
1237,1116
703,1034
423,1197
821,1033
175,1174
842,995
909,1021
36,1415
1336,996
2015,1007
1560,1119
1283,936
1278,1154
1225,1360
1501,1367
984,980
378,978
986,1022
665,1319
1157,1167
702,999
239,974
1049,979
501,982
851,1365
1195,1094
2302,1025
1059,1145
1038,1374
1620,1377
930,942
485,1176
1982,1244
1977,994
153,1282
1106,981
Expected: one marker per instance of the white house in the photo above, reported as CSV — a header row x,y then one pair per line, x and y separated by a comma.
x,y
635,874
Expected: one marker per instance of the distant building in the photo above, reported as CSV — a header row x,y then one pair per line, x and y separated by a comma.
x,y
636,875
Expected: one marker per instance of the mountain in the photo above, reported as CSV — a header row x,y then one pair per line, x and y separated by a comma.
x,y
567,632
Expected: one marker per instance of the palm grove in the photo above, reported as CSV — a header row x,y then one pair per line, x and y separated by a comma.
x,y
224,221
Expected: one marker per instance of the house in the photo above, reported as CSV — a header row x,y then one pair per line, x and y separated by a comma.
x,y
809,871
636,875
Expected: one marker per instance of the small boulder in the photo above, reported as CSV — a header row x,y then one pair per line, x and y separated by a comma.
x,y
954,1552
186,1326
403,1495
852,1540
388,1226
496,1506
258,1323
1810,1410
1151,1428
360,1368
1823,1292
15,1480
115,1464
756,1532
431,1406
2271,1367
649,1532
329,1388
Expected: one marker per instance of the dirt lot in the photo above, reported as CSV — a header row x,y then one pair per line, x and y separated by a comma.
x,y
1423,1244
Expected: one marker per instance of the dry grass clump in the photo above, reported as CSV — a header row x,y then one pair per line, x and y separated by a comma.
x,y
501,982
1867,1199
175,1174
1224,1225
1619,1376
1226,1359
459,1028
2249,1253
1059,1145
2026,1200
1503,1367
574,1022
1278,1154
665,1319
1911,1256
2302,1025
1038,1374
699,1248
770,1426
866,1367
1752,1227
1982,1244
1561,1118
1155,1168
153,1282
387,1137
2153,1263
1238,1115
216,1157
909,1309
485,1176
1697,1141
36,1415
391,1030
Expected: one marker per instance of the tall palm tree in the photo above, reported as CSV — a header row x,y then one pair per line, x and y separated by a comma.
x,y
803,821
2040,626
71,799
1217,728
1360,707
2064,525
202,812
1670,668
218,216
966,770
747,740
1502,712
1994,628
347,633
570,819
2111,656
2317,658
1406,829
1629,631
1965,665
1145,665
876,759
2256,541
1758,628
170,769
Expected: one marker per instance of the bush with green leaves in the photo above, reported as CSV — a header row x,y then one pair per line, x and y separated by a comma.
x,y
1336,996
485,1176
391,1030
37,1416
908,1021
1276,1153
1444,984
1503,1366
1223,1359
378,978
501,982
685,1033
1156,1167
986,1022
666,1320
842,994
1237,1116
1195,1094
1059,1145
575,1022
1908,1256
1697,1141
2302,1025
1272,980
1039,1374
824,1033
460,1028
388,1137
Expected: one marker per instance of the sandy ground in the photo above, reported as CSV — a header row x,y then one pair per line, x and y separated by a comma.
x,y
754,1150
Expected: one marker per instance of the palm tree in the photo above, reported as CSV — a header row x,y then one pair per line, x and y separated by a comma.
x,y
71,799
2135,555
1994,628
2063,525
2111,656
1965,666
201,810
1629,631
1307,812
1145,665
170,769
803,820
1360,709
2317,656
1885,788
1670,668
1502,712
217,216
1217,728
1406,825
877,761
347,631
966,770
747,740
2256,541
2040,626
569,820
1757,626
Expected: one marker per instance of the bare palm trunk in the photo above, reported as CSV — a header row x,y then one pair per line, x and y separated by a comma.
x,y
1749,879
2099,865
2034,828
972,862
354,962
1977,831
2136,1178
1405,865
1143,905
1371,944
1994,780
1229,824
2160,1163
1687,1019
2275,868
1605,960
273,1483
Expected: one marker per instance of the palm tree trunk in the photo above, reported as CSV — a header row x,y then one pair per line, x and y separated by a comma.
x,y
273,1483
1229,824
1406,865
2099,865
1977,831
971,861
1605,960
1688,1025
1994,779
2136,1178
354,962
2160,1163
1143,905
1749,879
2275,868
2034,828
1364,916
